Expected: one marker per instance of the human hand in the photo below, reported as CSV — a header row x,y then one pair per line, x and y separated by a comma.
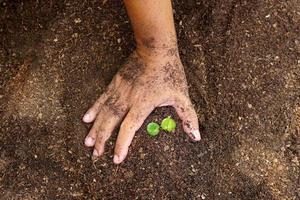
x,y
142,84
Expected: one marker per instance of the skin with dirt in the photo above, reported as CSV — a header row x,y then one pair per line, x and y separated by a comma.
x,y
142,84
242,63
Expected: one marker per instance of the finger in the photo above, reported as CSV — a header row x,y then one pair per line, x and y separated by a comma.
x,y
132,122
113,108
109,122
91,114
90,139
188,115
111,113
104,120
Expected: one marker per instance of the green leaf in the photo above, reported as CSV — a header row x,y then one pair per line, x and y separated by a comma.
x,y
168,124
153,129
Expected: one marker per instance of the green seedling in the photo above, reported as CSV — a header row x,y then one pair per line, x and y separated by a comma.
x,y
153,129
168,124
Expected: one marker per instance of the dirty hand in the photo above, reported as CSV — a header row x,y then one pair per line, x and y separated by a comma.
x,y
142,84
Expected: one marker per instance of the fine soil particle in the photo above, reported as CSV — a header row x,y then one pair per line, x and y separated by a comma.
x,y
242,60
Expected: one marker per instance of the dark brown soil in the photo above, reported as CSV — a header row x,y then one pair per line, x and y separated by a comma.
x,y
242,60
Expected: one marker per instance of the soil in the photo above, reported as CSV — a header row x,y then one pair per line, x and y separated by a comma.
x,y
242,60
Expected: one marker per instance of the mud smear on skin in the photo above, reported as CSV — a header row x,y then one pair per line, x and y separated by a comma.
x,y
133,68
149,42
172,52
116,105
175,75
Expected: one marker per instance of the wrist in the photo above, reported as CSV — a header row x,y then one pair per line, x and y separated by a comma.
x,y
157,51
156,45
157,54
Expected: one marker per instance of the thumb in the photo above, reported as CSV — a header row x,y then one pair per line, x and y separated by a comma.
x,y
188,115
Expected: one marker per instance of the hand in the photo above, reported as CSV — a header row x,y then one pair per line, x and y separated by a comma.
x,y
142,84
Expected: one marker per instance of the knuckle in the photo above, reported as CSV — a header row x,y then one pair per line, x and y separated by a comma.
x,y
96,130
93,132
127,125
119,147
124,126
104,137
188,124
101,138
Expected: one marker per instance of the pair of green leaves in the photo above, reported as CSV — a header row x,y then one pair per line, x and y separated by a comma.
x,y
167,124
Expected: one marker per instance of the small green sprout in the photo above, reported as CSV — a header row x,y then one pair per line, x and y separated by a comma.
x,y
153,129
168,124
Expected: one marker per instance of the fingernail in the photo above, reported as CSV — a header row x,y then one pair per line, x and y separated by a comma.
x,y
117,159
196,135
95,153
87,117
89,141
